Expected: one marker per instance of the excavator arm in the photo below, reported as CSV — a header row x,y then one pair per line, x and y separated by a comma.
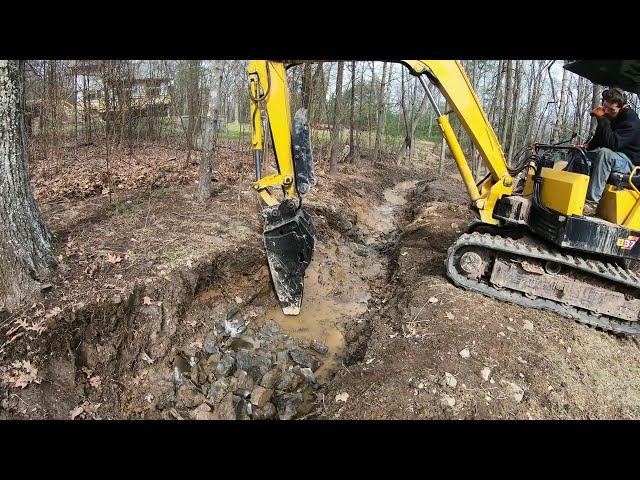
x,y
288,232
289,235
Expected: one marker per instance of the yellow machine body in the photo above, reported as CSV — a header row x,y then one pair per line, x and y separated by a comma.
x,y
562,191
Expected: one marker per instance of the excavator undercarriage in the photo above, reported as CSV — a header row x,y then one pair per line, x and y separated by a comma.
x,y
528,272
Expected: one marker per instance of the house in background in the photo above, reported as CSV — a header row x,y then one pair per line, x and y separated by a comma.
x,y
138,88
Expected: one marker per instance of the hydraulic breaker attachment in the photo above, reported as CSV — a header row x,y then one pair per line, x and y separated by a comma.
x,y
289,239
302,155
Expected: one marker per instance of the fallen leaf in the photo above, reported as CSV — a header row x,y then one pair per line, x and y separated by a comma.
x,y
90,407
433,300
450,315
76,411
146,358
147,300
342,397
53,312
113,258
31,370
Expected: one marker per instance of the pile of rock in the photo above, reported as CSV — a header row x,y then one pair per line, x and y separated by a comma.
x,y
239,383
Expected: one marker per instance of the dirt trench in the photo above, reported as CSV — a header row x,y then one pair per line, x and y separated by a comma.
x,y
176,347
196,332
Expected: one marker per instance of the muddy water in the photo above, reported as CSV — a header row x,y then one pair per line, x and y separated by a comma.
x,y
380,220
337,284
333,294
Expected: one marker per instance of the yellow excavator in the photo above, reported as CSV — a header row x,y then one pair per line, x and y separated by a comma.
x,y
530,246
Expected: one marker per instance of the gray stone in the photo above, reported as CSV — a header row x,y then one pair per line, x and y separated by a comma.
x,y
282,356
287,404
226,410
198,374
238,343
516,392
271,378
178,378
267,412
244,383
188,396
319,347
213,359
270,327
218,390
308,375
225,366
243,409
210,344
256,372
289,381
303,359
260,396
202,412
447,401
304,343
219,330
246,360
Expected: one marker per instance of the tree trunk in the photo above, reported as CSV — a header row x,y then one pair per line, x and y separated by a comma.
x,y
193,102
210,130
506,114
335,131
380,116
26,245
595,102
516,111
494,102
306,86
555,136
352,152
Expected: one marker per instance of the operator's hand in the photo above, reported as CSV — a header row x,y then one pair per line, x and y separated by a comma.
x,y
597,112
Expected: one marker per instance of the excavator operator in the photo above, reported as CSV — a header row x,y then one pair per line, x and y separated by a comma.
x,y
615,146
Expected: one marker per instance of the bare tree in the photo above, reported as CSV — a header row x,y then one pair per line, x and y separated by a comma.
x,y
194,106
411,121
26,245
506,114
352,153
555,136
380,116
496,97
335,130
515,117
595,102
216,69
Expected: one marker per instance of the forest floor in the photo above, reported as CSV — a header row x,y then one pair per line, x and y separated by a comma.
x,y
162,307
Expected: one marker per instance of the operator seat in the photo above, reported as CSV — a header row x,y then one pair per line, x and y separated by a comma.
x,y
621,181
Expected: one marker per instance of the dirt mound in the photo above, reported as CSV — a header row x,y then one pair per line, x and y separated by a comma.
x,y
440,352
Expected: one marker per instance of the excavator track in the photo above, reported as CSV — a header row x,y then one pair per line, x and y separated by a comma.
x,y
527,249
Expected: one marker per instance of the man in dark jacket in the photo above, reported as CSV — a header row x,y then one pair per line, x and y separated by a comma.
x,y
615,146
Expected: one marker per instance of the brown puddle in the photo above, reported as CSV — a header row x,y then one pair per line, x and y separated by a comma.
x,y
334,292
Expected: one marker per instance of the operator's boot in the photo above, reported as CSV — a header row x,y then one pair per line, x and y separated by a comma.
x,y
589,209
